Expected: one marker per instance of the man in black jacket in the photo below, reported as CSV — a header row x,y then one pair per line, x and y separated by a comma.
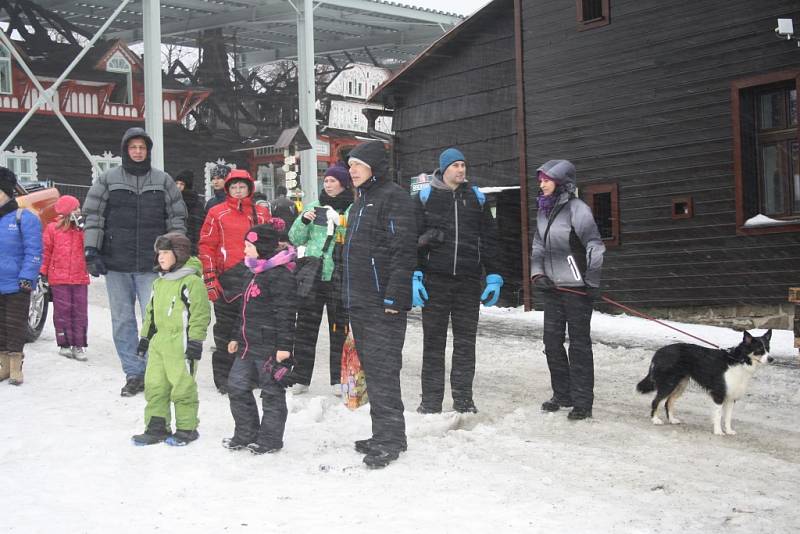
x,y
379,255
457,242
126,209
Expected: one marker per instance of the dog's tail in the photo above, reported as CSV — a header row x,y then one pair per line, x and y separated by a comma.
x,y
647,384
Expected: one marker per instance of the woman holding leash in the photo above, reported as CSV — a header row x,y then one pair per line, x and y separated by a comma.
x,y
567,252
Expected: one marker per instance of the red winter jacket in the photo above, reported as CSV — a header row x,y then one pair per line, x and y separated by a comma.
x,y
221,244
62,256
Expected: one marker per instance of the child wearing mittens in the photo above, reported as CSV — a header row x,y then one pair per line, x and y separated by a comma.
x,y
64,270
173,329
262,343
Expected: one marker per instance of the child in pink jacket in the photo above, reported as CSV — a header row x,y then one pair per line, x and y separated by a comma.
x,y
64,269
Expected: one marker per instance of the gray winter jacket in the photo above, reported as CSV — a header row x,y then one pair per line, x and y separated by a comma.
x,y
125,213
571,252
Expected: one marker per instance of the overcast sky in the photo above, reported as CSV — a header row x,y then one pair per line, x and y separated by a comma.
x,y
461,7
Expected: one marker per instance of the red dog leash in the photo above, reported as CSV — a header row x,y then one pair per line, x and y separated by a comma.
x,y
640,314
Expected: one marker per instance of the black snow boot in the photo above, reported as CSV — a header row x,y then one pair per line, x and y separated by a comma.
x,y
464,406
365,446
553,405
380,456
156,432
579,413
257,448
234,444
182,438
424,409
132,386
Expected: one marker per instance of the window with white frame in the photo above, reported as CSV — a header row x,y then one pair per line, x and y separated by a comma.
x,y
122,94
5,70
105,162
22,163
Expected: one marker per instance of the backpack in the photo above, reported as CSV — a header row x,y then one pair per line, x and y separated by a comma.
x,y
425,192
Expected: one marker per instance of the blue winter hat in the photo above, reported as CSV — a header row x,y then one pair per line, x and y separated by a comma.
x,y
448,157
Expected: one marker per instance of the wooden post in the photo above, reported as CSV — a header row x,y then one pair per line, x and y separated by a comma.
x,y
794,296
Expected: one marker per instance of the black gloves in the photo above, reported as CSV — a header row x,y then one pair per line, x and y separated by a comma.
x,y
593,293
431,239
94,263
44,283
26,286
543,283
194,349
280,371
141,348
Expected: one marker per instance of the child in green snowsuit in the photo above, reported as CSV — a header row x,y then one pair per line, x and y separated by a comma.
x,y
173,330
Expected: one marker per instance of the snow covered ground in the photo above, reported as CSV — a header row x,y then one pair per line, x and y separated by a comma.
x,y
68,465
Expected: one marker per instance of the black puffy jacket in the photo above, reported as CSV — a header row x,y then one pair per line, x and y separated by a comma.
x,y
380,247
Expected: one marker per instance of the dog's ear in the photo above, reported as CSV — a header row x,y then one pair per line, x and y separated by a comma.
x,y
768,335
747,338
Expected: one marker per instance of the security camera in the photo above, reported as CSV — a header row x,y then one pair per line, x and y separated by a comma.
x,y
785,29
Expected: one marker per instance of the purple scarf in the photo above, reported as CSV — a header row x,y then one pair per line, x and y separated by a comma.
x,y
546,203
285,257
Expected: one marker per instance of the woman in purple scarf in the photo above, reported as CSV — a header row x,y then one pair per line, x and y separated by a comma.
x,y
566,263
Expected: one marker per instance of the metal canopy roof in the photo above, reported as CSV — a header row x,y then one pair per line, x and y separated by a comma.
x,y
262,31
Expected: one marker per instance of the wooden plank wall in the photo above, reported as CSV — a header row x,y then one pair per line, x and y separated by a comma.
x,y
59,158
645,102
464,96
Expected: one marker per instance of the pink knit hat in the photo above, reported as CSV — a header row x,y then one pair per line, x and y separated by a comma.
x,y
66,205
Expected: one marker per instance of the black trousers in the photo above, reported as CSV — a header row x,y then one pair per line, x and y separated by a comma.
x,y
14,319
245,376
225,315
379,339
571,374
309,316
457,297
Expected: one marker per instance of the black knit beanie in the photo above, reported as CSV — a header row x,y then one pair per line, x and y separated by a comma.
x,y
8,181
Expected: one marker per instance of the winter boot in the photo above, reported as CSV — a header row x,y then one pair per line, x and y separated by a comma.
x,y
5,369
579,413
156,432
65,352
182,438
380,456
257,448
365,446
79,353
234,444
15,365
423,409
133,385
554,405
464,406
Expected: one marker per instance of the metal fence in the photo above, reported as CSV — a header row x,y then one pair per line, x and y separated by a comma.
x,y
77,191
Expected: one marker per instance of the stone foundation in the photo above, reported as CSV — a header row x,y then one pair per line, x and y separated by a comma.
x,y
740,316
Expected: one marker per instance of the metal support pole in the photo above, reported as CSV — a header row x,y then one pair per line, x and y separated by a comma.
x,y
51,94
308,101
153,100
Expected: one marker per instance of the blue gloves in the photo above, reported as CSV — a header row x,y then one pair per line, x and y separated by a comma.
x,y
418,293
492,292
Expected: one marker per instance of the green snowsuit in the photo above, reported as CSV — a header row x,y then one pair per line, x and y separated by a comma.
x,y
178,310
313,236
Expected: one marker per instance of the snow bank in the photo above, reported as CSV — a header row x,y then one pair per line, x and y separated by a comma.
x,y
68,465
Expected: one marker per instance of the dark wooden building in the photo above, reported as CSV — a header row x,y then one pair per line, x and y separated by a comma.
x,y
681,118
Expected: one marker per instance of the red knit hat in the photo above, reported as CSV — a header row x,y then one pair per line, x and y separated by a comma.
x,y
66,205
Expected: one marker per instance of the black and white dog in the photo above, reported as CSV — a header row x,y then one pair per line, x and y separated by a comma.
x,y
724,374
